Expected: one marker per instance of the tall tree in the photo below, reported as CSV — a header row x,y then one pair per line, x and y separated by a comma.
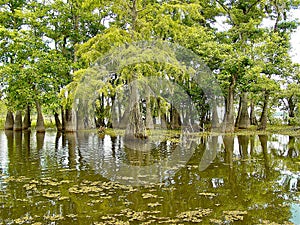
x,y
245,21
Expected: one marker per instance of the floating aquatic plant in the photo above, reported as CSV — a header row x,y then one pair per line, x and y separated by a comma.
x,y
207,194
234,215
148,195
194,216
152,205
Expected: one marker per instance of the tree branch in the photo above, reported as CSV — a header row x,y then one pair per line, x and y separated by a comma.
x,y
226,10
251,6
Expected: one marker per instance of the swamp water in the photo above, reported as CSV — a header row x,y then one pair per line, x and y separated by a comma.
x,y
79,179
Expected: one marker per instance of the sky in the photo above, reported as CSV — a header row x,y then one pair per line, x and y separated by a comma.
x,y
295,53
295,39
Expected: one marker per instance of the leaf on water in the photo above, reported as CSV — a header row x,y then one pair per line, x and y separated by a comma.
x,y
20,179
208,194
235,212
130,190
169,189
113,221
22,200
54,217
106,197
234,215
128,203
192,166
216,221
142,176
148,222
66,170
71,216
153,212
63,198
170,221
22,220
162,218
273,223
65,182
34,182
126,178
30,187
51,183
135,216
152,205
194,216
148,195
51,194
84,189
96,201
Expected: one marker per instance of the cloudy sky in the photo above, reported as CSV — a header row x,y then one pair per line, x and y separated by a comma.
x,y
295,52
296,39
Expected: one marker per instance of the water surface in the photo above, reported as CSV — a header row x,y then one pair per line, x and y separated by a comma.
x,y
79,179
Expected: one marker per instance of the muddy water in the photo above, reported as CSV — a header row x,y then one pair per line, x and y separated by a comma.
x,y
85,178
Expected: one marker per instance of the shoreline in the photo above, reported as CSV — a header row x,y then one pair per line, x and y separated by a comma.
x,y
283,130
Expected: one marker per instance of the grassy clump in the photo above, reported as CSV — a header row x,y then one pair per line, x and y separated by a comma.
x,y
49,124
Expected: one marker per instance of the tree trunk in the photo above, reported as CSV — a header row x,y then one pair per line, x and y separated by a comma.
x,y
40,126
253,120
149,119
114,112
229,113
123,119
163,120
215,124
291,110
9,122
70,125
27,121
292,152
264,115
175,118
135,128
81,115
243,120
63,119
119,114
100,112
57,122
18,121
239,113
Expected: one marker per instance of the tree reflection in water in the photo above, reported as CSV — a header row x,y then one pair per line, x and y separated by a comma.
x,y
60,178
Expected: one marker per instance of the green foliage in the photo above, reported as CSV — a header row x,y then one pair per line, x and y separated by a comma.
x,y
46,46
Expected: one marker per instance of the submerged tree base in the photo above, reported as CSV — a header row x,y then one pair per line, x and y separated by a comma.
x,y
135,137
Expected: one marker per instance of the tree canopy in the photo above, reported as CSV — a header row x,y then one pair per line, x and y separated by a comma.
x,y
46,48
